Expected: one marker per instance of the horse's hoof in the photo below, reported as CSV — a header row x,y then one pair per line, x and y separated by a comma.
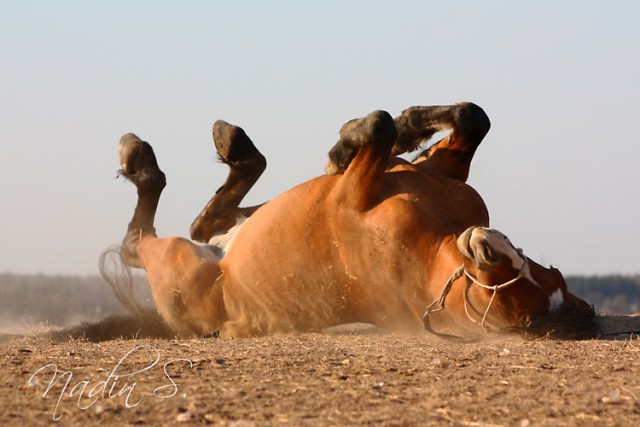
x,y
138,162
235,148
377,128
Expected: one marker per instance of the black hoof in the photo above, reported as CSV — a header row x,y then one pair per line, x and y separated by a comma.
x,y
375,128
235,148
418,124
471,121
378,128
139,164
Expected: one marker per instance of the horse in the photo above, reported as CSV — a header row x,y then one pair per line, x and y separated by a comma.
x,y
403,245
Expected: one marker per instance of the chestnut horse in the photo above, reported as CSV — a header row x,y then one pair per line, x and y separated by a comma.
x,y
401,245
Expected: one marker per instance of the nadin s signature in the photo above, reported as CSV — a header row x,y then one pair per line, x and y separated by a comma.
x,y
119,383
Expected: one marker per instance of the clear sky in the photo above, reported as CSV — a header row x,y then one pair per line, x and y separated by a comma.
x,y
559,80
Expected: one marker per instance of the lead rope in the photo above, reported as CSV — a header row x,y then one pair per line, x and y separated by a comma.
x,y
438,305
447,288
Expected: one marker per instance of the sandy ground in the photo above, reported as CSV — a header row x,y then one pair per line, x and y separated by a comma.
x,y
320,379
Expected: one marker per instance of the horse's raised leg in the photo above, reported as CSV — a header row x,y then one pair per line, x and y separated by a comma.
x,y
371,138
139,166
246,165
452,155
185,278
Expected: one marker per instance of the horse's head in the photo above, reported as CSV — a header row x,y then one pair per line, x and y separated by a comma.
x,y
504,288
491,252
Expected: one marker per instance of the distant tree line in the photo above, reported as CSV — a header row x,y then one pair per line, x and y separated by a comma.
x,y
609,294
61,300
68,300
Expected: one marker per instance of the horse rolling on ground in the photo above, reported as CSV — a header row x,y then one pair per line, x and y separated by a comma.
x,y
401,245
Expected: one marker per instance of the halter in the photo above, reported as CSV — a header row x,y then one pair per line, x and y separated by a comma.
x,y
438,305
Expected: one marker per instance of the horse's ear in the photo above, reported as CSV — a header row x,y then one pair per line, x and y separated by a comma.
x,y
463,243
558,279
557,273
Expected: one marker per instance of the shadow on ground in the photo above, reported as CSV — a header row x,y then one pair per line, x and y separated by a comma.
x,y
149,324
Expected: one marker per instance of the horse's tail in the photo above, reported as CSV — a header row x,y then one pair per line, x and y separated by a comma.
x,y
118,274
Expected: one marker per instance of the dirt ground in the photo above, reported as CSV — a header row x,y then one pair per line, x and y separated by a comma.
x,y
320,380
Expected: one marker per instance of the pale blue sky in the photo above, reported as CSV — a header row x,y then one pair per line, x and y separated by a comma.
x,y
559,81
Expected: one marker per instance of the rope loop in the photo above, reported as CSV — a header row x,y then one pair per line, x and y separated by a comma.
x,y
439,304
